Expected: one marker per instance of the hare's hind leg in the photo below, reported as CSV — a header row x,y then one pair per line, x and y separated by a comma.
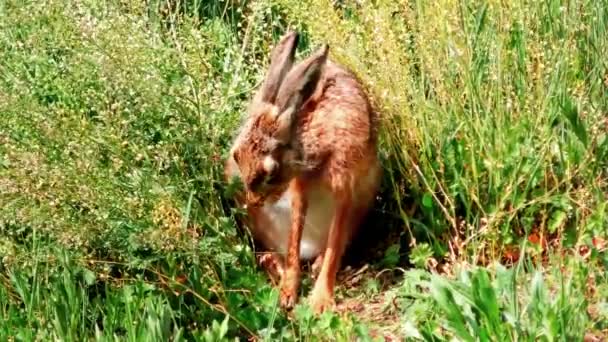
x,y
290,281
315,268
350,209
322,296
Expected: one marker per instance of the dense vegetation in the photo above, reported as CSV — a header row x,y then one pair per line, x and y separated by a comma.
x,y
115,221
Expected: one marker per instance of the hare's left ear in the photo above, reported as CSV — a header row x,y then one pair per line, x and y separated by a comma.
x,y
299,85
281,62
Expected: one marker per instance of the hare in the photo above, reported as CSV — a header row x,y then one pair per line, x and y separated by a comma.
x,y
307,156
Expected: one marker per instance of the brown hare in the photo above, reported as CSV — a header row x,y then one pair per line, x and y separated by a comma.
x,y
307,156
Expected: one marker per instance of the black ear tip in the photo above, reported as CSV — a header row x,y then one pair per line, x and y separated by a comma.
x,y
296,36
293,37
325,50
322,53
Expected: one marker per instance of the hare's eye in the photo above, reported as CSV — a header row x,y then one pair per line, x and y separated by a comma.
x,y
273,173
273,178
256,180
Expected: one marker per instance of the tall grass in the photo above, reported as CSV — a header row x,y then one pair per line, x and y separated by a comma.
x,y
115,118
494,114
112,133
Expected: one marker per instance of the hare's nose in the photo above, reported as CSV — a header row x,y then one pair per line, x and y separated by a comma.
x,y
254,200
255,182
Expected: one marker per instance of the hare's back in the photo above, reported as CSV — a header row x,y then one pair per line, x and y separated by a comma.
x,y
342,117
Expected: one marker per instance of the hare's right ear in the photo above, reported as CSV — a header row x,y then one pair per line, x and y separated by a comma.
x,y
281,62
302,81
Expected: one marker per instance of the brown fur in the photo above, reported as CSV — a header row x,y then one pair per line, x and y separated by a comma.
x,y
322,132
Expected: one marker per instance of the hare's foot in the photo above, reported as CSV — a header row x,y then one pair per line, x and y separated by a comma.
x,y
321,299
273,265
289,288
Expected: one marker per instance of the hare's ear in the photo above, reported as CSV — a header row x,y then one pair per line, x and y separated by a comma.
x,y
281,62
299,85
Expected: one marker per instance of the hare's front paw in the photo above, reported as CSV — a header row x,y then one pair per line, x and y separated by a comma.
x,y
321,300
273,265
289,289
288,297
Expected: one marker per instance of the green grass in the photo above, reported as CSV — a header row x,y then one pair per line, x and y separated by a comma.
x,y
115,223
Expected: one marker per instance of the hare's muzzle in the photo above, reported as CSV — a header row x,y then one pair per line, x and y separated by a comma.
x,y
254,199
